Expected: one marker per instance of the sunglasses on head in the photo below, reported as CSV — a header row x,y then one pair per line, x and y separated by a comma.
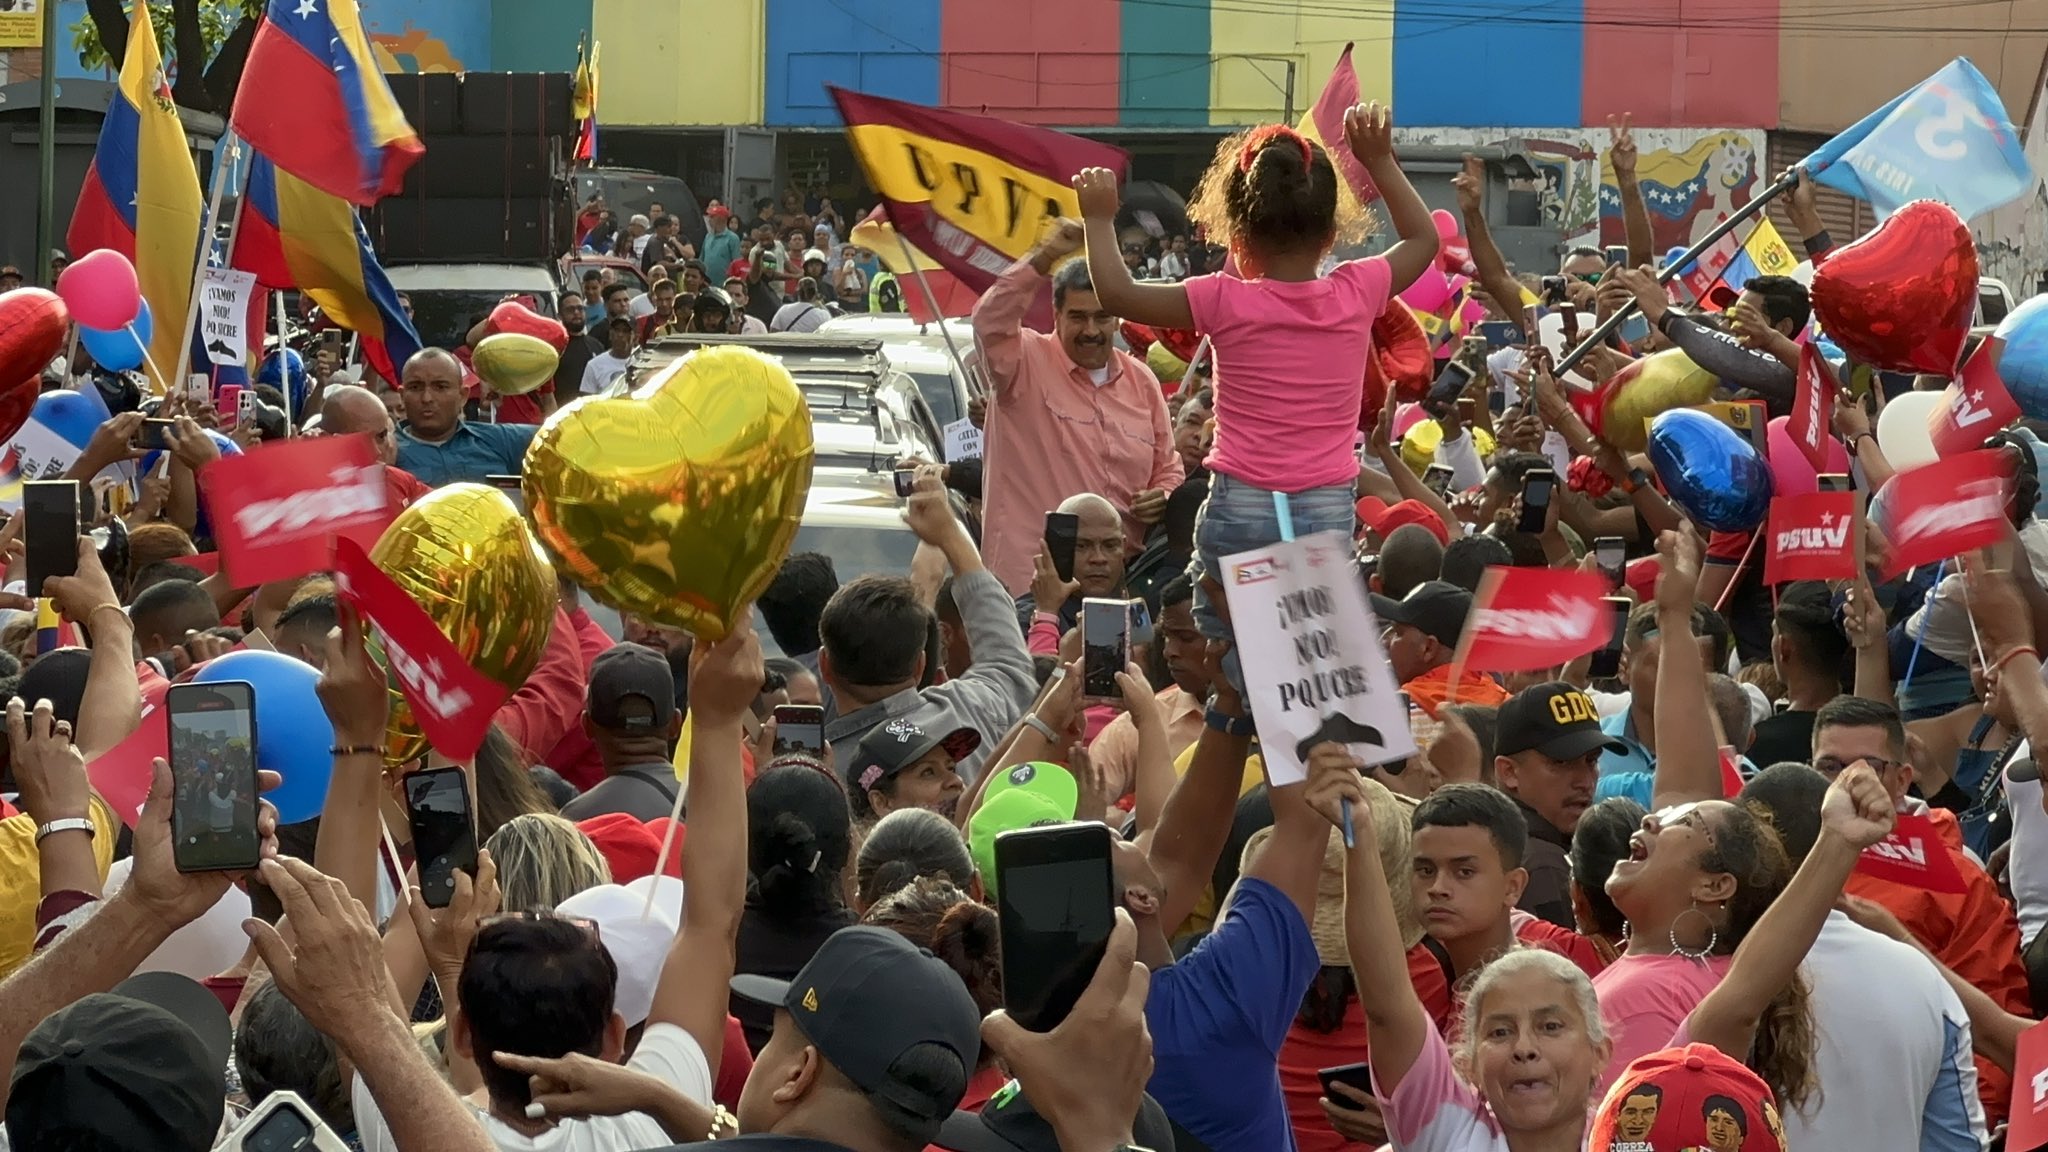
x,y
588,925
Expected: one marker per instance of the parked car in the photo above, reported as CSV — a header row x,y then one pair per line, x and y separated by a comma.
x,y
920,350
630,191
448,298
618,269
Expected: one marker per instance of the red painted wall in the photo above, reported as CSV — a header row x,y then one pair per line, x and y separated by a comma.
x,y
1681,65
1034,61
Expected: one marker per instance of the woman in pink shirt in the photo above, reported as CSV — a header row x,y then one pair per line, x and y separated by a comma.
x,y
1290,344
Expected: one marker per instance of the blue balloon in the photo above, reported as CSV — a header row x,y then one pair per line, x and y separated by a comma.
x,y
118,350
293,735
1671,257
1714,475
73,416
2023,361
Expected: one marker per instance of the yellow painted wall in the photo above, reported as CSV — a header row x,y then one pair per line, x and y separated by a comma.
x,y
1250,91
664,64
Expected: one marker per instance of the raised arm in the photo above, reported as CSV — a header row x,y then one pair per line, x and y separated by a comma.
x,y
1488,265
724,679
112,705
1856,813
1635,214
1195,823
1396,1024
1163,305
1369,131
1688,755
999,315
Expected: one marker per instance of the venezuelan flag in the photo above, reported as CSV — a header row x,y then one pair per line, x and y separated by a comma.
x,y
313,100
141,196
52,630
1763,253
292,234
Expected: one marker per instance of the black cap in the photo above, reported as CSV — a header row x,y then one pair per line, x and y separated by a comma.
x,y
1555,719
1434,607
1008,1123
142,1066
57,676
631,670
868,996
890,747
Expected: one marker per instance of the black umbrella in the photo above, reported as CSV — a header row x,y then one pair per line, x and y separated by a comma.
x,y
1154,207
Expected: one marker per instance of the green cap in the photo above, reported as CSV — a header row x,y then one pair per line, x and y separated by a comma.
x,y
1008,812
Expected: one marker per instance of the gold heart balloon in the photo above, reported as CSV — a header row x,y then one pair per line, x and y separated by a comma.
x,y
678,502
465,555
513,363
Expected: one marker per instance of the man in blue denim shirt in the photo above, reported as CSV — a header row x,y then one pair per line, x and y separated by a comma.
x,y
435,443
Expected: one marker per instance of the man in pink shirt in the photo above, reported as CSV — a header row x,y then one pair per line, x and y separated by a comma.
x,y
1071,413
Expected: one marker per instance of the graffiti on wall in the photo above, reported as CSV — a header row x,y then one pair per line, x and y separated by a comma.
x,y
1691,178
413,50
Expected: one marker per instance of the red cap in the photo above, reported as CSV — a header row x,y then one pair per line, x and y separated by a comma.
x,y
630,846
718,210
738,268
1383,518
1690,1097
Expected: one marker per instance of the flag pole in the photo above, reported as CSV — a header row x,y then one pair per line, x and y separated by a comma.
x,y
284,376
1669,272
931,300
226,154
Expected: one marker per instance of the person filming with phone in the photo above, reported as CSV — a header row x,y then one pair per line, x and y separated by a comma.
x,y
1069,568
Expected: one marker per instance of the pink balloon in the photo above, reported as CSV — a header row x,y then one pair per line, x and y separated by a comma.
x,y
1446,224
1791,474
100,289
1429,292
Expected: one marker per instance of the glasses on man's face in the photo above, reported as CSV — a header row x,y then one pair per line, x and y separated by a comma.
x,y
588,925
1831,766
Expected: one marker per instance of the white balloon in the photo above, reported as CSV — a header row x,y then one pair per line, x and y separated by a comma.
x,y
1902,429
207,946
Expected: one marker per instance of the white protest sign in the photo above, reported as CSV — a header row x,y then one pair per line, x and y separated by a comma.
x,y
963,439
224,315
1313,665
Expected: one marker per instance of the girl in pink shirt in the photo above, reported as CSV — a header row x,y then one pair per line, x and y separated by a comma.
x,y
1290,345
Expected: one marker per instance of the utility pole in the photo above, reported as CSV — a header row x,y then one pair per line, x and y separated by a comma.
x,y
46,151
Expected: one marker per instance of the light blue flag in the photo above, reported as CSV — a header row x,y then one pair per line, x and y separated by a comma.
x,y
1947,139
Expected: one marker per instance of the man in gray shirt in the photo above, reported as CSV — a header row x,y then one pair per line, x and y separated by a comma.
x,y
876,629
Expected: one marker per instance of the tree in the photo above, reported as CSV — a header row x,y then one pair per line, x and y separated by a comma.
x,y
216,33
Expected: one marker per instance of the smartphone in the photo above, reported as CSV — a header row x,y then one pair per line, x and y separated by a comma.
x,y
1537,486
1834,482
245,405
1357,1076
1609,554
213,775
1500,333
800,728
198,389
1553,290
1055,905
1062,533
500,480
227,401
1105,647
284,1122
1606,661
1449,383
1438,479
1617,255
443,830
906,481
50,528
152,435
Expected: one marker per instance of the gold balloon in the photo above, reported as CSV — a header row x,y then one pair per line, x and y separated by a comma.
x,y
465,555
677,503
513,363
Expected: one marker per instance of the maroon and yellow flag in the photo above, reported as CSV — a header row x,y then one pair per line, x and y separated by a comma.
x,y
1324,124
972,192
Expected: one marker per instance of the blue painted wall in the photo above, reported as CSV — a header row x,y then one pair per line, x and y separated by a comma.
x,y
883,47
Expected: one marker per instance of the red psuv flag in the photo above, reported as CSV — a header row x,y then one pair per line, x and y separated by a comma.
x,y
1973,407
1946,508
122,774
1913,854
453,702
2027,1122
1813,407
1809,538
278,508
1529,618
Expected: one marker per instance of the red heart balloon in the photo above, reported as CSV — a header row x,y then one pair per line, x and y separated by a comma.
x,y
15,405
32,327
1902,298
512,316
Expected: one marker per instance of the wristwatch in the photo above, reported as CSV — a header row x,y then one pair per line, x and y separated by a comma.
x,y
1229,725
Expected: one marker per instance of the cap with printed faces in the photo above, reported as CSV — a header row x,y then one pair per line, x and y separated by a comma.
x,y
1555,719
1695,1097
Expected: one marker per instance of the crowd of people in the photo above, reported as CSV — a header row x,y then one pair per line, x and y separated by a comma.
x,y
1560,924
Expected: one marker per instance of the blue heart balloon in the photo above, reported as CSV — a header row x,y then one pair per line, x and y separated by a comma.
x,y
293,736
1714,475
120,349
2023,360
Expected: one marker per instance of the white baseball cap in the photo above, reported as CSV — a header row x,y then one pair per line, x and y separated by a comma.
x,y
638,938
